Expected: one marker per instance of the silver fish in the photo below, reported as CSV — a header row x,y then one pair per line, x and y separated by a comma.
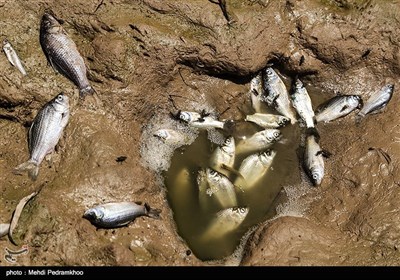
x,y
203,121
337,107
62,54
302,103
276,94
376,101
268,120
259,141
224,222
4,228
313,162
170,136
44,133
13,57
254,167
224,156
221,188
117,214
256,93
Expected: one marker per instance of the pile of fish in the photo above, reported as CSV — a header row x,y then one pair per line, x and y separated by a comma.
x,y
267,93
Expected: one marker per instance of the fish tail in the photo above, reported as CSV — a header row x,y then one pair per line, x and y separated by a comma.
x,y
30,166
314,132
359,117
229,125
152,212
86,91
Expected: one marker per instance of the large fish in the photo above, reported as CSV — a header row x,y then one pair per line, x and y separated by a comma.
x,y
13,57
224,222
224,156
200,120
302,103
276,94
313,162
117,214
256,93
376,101
62,54
259,141
254,167
337,107
268,120
44,133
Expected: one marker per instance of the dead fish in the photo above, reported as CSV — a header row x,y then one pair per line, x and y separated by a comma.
x,y
376,101
256,93
313,162
202,121
224,155
276,94
254,167
337,107
117,214
170,136
224,222
268,120
44,133
259,141
17,214
13,57
302,103
62,54
4,229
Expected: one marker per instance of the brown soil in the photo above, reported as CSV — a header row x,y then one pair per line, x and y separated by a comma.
x,y
141,52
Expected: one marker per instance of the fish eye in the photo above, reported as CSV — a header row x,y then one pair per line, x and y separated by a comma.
x,y
60,97
269,138
276,134
315,176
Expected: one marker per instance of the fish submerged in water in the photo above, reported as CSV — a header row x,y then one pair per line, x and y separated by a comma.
x,y
259,141
268,120
254,167
376,101
200,120
13,57
224,222
337,107
44,133
117,214
302,103
276,94
224,156
313,162
62,54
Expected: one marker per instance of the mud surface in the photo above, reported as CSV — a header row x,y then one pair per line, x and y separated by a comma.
x,y
144,58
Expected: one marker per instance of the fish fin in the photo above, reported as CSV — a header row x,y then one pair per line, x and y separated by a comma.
x,y
324,153
152,212
56,69
175,116
360,103
30,166
359,118
344,108
204,113
314,132
86,91
255,92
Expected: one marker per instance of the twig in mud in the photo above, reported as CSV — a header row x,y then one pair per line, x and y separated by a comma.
x,y
223,112
229,16
98,6
183,79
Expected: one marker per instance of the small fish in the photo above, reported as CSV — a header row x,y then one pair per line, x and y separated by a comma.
x,y
44,133
302,103
337,107
268,120
224,222
13,57
254,167
313,162
276,94
4,228
170,136
259,141
224,155
256,93
117,214
63,55
376,101
203,120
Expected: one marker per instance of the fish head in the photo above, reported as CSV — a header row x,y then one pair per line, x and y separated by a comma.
x,y
267,156
6,44
298,84
94,214
185,116
316,176
229,145
239,213
270,74
162,134
49,24
283,121
272,135
356,101
389,88
212,175
61,102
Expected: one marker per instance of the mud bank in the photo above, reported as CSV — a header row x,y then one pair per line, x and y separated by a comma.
x,y
147,58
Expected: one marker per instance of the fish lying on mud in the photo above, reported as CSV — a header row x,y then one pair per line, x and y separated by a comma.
x,y
256,93
170,136
376,102
201,120
117,214
63,55
259,141
313,161
302,103
268,120
337,107
44,133
13,57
